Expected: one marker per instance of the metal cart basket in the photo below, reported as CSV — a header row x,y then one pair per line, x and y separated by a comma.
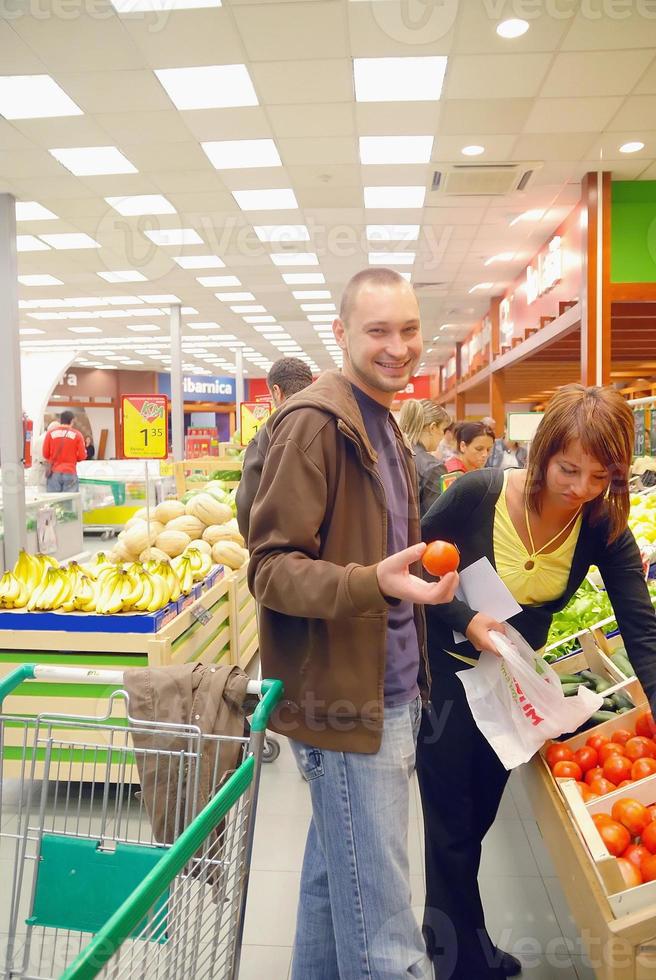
x,y
114,877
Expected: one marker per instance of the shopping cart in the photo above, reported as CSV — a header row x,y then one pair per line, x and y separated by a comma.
x,y
92,891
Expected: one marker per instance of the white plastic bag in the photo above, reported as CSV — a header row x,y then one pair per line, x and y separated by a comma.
x,y
517,699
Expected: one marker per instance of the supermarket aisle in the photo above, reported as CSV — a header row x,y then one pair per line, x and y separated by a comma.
x,y
526,909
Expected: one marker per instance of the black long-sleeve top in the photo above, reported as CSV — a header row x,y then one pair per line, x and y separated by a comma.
x,y
464,515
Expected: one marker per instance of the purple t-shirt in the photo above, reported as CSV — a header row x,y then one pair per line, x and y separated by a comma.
x,y
402,663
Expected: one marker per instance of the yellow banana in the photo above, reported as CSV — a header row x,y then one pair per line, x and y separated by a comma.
x,y
135,592
143,603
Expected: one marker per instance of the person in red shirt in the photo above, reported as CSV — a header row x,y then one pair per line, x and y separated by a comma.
x,y
63,449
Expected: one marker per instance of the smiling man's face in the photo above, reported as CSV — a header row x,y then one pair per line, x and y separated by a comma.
x,y
382,340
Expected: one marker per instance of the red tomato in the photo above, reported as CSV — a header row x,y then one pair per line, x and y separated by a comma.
x,y
652,810
600,818
602,786
648,868
558,753
615,837
587,758
636,853
568,770
596,741
645,725
586,793
609,749
440,557
593,774
642,768
632,815
625,782
648,837
617,769
630,872
622,736
638,748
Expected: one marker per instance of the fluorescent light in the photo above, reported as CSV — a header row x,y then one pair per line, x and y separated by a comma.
x,y
70,240
394,197
393,233
391,258
241,154
123,300
311,294
304,278
44,280
417,79
33,211
204,326
320,318
137,204
501,257
199,261
208,87
474,150
34,97
275,199
259,319
119,277
250,308
143,327
84,329
294,258
174,236
268,329
282,233
234,297
132,361
318,307
632,147
30,243
536,214
160,298
218,281
395,149
30,331
91,161
512,28
481,285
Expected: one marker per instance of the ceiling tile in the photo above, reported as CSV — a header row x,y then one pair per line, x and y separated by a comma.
x,y
170,156
607,147
12,139
325,174
552,146
497,148
636,113
115,91
29,163
249,122
62,132
186,38
327,119
397,118
329,197
384,29
495,76
339,150
483,116
93,44
574,115
477,22
647,84
145,127
301,31
621,25
594,73
291,82
16,57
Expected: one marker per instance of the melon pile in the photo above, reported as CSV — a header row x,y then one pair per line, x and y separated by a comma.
x,y
206,518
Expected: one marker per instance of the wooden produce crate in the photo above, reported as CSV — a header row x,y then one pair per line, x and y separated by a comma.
x,y
182,640
205,466
244,641
607,645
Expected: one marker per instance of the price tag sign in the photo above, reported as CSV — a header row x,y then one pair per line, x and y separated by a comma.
x,y
145,426
201,614
253,417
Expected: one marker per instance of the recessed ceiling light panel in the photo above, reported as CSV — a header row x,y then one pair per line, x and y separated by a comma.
x,y
34,97
92,161
395,149
208,87
242,154
405,79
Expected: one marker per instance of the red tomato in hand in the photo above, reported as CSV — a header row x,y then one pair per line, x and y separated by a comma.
x,y
638,748
617,768
642,768
648,837
592,774
596,741
615,837
622,735
558,753
630,872
567,770
587,758
636,854
609,749
602,786
645,725
632,815
440,557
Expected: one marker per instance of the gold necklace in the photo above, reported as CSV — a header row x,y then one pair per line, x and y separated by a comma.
x,y
533,554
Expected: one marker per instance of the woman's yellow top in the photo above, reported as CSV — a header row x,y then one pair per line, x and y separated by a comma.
x,y
547,580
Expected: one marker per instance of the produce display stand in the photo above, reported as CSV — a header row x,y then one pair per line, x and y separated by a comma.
x,y
243,616
193,474
68,523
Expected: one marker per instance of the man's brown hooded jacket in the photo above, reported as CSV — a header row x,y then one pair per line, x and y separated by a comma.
x,y
318,530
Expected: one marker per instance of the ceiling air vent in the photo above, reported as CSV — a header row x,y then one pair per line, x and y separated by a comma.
x,y
481,179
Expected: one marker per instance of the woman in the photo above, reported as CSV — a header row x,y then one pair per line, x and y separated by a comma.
x,y
542,528
424,422
447,447
474,441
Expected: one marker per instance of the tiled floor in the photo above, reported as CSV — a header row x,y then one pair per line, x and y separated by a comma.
x,y
526,909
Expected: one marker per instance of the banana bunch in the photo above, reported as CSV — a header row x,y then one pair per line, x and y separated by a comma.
x,y
130,589
200,562
164,570
13,592
99,563
31,569
55,591
182,568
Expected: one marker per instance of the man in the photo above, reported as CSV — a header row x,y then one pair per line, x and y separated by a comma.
x,y
335,566
63,449
495,459
287,376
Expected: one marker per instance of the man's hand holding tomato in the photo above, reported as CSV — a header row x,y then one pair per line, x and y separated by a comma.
x,y
396,581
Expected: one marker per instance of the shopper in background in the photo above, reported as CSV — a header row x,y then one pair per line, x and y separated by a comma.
x,y
342,624
90,448
474,441
542,528
447,447
287,376
423,422
63,449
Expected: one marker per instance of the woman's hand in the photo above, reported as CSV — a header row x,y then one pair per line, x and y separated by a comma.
x,y
478,632
396,581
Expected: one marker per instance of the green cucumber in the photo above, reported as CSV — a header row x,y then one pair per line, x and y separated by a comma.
x,y
600,683
621,701
608,705
623,664
600,716
570,679
569,690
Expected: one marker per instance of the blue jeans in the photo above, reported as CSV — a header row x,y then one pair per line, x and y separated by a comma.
x,y
355,920
62,482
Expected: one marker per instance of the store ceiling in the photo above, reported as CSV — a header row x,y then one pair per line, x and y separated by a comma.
x,y
560,100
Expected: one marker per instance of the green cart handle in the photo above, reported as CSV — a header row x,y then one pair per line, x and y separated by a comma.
x,y
8,684
272,692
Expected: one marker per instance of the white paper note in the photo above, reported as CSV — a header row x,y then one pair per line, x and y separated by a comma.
x,y
483,590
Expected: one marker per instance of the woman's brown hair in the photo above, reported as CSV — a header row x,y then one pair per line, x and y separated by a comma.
x,y
603,423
